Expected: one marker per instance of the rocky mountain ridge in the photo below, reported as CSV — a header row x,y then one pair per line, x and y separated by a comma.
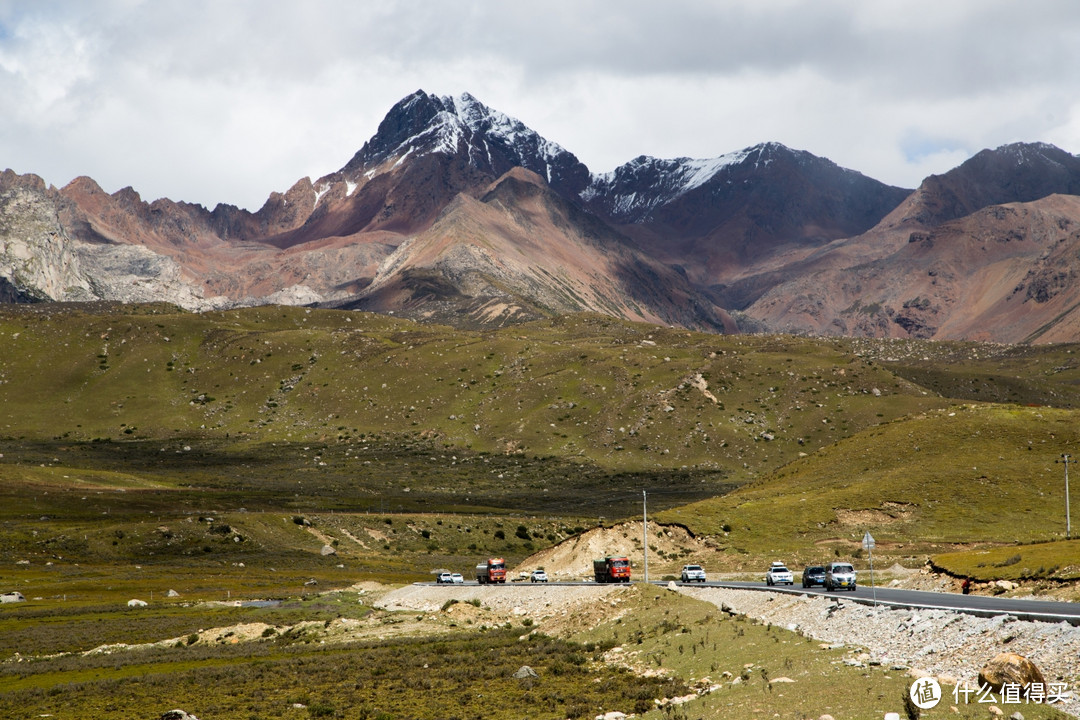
x,y
780,239
986,251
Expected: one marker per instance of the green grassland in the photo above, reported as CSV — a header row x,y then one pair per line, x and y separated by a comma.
x,y
1051,561
931,483
292,674
590,390
116,421
659,645
144,449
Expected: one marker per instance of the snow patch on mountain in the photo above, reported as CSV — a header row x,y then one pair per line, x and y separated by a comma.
x,y
321,190
645,183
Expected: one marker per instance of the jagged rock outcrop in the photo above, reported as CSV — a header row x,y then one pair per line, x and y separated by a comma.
x,y
37,258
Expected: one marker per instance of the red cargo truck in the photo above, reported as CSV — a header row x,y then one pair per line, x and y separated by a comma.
x,y
492,570
612,569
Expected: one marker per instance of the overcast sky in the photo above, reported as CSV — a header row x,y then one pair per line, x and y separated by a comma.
x,y
214,101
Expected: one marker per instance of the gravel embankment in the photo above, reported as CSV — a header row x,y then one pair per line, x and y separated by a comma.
x,y
949,645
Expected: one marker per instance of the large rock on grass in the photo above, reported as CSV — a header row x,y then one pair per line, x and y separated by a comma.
x,y
178,715
1010,668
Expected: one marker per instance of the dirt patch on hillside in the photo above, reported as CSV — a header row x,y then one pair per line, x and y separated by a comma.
x,y
376,535
557,610
670,547
865,518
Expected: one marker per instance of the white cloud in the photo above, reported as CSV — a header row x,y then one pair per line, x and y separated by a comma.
x,y
209,101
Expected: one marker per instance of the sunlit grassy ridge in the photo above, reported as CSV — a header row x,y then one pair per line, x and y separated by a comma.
x,y
966,474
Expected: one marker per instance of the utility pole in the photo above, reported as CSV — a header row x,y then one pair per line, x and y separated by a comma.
x,y
645,531
1066,459
868,542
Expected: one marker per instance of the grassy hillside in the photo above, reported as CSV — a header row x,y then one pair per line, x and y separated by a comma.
x,y
118,420
982,474
284,452
576,402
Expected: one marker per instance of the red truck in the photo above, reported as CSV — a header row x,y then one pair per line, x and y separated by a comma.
x,y
612,569
492,570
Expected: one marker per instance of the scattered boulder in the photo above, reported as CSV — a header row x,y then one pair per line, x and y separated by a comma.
x,y
525,672
328,550
1010,668
177,715
172,593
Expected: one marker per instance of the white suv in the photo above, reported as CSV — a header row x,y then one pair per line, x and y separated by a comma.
x,y
693,573
778,574
840,575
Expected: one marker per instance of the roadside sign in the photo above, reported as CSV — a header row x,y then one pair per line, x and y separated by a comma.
x,y
868,545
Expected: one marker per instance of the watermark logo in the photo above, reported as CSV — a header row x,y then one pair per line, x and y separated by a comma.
x,y
1036,693
925,693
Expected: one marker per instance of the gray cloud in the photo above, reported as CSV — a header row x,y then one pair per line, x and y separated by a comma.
x,y
210,101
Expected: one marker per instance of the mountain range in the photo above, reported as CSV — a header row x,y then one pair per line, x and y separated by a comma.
x,y
456,213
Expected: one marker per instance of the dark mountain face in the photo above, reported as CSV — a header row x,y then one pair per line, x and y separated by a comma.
x,y
770,183
718,218
1021,172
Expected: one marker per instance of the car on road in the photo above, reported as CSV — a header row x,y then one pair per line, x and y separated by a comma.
x,y
538,576
813,575
778,574
444,578
457,579
693,573
839,575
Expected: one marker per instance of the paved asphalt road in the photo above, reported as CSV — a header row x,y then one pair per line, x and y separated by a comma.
x,y
985,605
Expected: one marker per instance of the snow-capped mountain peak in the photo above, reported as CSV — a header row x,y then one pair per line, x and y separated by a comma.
x,y
423,124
